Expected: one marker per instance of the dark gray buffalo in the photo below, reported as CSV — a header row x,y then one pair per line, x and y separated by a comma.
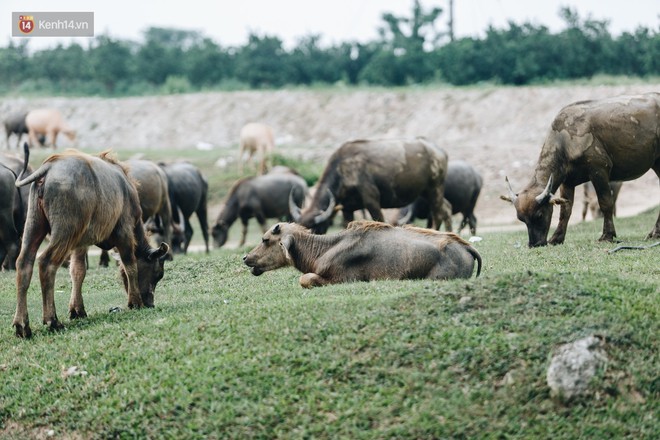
x,y
16,204
83,200
462,187
188,192
376,174
15,124
601,141
260,197
9,237
364,251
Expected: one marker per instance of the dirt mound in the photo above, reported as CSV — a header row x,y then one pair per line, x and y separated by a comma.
x,y
498,129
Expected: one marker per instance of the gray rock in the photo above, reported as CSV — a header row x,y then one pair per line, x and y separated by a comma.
x,y
574,366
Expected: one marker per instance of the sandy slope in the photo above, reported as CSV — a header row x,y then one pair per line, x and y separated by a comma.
x,y
499,130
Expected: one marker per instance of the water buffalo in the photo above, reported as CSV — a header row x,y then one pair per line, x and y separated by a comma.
x,y
601,140
47,122
83,200
15,124
153,193
462,188
365,251
256,138
375,174
188,193
590,203
17,203
261,197
9,236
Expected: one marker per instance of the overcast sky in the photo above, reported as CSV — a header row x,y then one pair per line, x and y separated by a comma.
x,y
228,23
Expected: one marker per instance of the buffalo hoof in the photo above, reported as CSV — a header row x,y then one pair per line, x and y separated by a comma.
x,y
653,234
55,325
23,331
607,237
77,314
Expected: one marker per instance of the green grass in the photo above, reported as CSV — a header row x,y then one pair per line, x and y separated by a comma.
x,y
228,355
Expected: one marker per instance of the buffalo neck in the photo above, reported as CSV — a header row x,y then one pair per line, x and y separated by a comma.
x,y
229,213
307,248
553,161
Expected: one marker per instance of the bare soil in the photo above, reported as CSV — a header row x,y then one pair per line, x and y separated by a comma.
x,y
499,130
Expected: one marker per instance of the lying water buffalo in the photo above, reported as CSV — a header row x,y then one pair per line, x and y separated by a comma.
x,y
590,203
47,122
188,193
603,140
462,188
261,197
83,200
364,251
375,174
256,138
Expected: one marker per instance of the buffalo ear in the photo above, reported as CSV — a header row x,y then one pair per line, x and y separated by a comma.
x,y
158,253
277,229
555,200
287,244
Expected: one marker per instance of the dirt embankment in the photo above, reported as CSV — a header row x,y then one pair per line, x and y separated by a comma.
x,y
499,130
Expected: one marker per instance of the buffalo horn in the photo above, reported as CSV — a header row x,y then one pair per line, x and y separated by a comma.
x,y
546,192
325,215
406,217
512,195
182,223
294,209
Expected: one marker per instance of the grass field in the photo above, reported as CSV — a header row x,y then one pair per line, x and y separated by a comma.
x,y
228,355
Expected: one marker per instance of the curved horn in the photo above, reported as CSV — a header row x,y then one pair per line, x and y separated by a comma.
x,y
546,192
512,195
182,223
325,215
294,209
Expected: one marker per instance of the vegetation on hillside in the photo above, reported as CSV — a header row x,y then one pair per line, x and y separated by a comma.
x,y
409,51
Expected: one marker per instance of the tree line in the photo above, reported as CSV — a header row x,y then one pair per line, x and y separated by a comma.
x,y
409,50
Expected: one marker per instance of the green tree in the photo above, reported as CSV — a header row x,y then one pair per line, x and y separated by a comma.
x,y
110,61
207,64
263,62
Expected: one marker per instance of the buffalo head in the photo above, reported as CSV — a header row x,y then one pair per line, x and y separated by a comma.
x,y
219,233
273,252
150,267
535,210
316,219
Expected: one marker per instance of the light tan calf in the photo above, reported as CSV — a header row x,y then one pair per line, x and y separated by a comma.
x,y
256,138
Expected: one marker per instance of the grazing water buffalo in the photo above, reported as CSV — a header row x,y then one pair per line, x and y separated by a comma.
x,y
604,140
47,122
375,174
462,188
261,197
15,124
83,200
590,203
364,251
188,193
256,138
153,193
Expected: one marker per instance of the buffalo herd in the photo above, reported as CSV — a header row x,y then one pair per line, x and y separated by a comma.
x,y
142,209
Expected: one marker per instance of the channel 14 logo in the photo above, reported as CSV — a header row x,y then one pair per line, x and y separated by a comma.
x,y
26,23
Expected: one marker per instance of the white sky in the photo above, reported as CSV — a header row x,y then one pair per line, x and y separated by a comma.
x,y
228,23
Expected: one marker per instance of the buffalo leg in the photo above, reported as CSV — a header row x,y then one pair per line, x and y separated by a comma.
x,y
35,232
244,221
188,233
568,193
371,199
655,232
48,266
606,204
129,263
203,222
77,270
310,280
436,208
104,260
